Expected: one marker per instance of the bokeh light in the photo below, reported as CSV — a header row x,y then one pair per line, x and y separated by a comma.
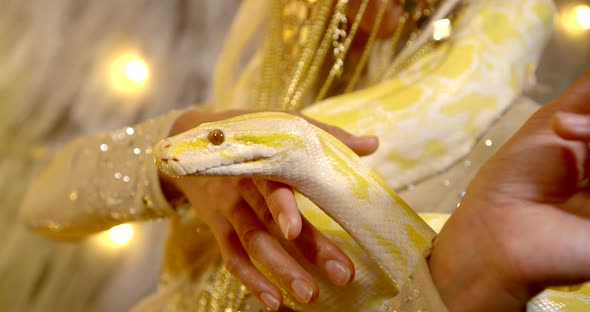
x,y
136,71
575,19
129,73
442,29
582,13
116,237
121,235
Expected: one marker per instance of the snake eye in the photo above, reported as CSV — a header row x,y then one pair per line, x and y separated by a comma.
x,y
216,137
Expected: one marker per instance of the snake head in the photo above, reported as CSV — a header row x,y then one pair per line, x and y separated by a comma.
x,y
254,144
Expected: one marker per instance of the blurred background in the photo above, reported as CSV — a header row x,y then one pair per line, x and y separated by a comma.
x,y
567,55
71,67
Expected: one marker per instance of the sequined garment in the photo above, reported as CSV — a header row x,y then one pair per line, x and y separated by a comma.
x,y
106,180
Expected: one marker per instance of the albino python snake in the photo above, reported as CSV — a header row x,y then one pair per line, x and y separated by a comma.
x,y
286,148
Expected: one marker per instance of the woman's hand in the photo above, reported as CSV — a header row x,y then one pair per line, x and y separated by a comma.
x,y
259,220
524,223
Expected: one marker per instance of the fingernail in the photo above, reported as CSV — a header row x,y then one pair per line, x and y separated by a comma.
x,y
284,224
270,301
338,272
370,138
574,119
302,291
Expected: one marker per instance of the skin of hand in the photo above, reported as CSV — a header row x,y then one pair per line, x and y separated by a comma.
x,y
259,220
524,223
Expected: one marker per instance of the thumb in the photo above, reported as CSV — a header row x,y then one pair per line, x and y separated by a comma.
x,y
361,145
571,126
576,99
571,120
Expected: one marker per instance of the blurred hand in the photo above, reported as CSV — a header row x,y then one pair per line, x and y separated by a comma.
x,y
260,220
524,223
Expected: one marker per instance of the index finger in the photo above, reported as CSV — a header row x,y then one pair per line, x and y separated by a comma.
x,y
281,202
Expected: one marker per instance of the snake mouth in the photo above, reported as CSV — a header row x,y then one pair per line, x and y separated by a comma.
x,y
236,167
171,166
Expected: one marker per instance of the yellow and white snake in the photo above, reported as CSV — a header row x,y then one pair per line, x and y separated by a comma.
x,y
288,149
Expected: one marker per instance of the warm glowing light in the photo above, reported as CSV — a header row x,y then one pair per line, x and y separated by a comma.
x,y
442,29
136,71
582,13
121,234
129,73
576,19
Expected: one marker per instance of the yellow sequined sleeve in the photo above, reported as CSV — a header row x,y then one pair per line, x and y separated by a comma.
x,y
100,181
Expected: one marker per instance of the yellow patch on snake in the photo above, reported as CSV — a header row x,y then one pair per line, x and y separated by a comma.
x,y
344,117
570,304
435,220
391,249
182,147
359,184
274,140
408,210
316,216
419,241
403,162
227,154
472,104
497,26
435,147
460,59
571,298
408,96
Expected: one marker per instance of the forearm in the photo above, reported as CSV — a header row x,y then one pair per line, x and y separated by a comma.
x,y
100,181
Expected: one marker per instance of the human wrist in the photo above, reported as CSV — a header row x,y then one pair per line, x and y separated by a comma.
x,y
469,276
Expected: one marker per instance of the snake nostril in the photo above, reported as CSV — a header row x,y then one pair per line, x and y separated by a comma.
x,y
164,160
175,159
167,145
